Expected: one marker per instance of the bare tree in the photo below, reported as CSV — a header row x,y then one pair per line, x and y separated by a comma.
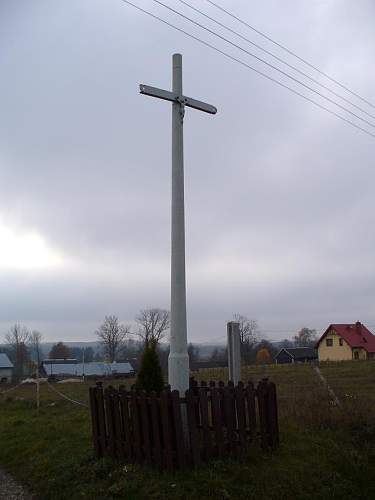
x,y
112,336
248,328
17,338
305,337
35,341
152,324
249,336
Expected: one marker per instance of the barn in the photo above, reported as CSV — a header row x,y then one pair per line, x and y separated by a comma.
x,y
70,368
296,355
6,369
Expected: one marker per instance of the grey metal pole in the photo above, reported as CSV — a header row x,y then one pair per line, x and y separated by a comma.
x,y
178,361
83,365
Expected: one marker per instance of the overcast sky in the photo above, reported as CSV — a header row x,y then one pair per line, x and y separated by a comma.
x,y
280,206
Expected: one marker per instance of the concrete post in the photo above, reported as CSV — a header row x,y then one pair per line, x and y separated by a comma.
x,y
234,351
178,361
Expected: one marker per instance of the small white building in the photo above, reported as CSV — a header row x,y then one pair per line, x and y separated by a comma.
x,y
6,369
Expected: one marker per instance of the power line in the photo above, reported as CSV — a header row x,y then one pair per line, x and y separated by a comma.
x,y
290,52
284,73
229,56
276,57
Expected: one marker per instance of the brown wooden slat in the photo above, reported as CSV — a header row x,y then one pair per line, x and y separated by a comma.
x,y
222,409
118,429
126,425
101,418
166,427
177,409
95,421
241,416
262,409
138,455
273,430
110,422
206,433
146,425
193,430
217,421
251,409
229,417
156,436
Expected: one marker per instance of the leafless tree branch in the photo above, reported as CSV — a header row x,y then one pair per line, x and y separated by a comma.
x,y
112,336
152,324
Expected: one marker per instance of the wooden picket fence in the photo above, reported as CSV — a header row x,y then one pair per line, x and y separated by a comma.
x,y
171,432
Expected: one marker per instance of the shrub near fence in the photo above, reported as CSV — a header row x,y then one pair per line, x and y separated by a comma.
x,y
172,432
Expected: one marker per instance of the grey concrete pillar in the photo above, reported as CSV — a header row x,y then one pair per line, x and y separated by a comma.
x,y
234,351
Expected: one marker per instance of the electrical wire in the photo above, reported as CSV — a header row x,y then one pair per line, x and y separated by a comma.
x,y
294,68
284,73
290,52
239,61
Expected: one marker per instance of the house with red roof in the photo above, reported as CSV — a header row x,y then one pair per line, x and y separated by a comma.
x,y
342,342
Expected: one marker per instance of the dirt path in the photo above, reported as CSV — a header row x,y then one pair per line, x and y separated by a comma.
x,y
10,490
335,399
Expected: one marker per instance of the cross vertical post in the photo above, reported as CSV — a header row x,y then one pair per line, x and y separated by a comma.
x,y
178,361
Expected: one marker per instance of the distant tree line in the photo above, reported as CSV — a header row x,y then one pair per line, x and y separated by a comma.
x,y
119,342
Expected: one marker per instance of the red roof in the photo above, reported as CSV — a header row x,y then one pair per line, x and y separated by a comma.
x,y
356,335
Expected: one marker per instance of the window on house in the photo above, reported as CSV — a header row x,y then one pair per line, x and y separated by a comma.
x,y
341,342
329,342
364,340
356,355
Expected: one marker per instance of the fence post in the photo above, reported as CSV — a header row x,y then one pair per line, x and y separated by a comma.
x,y
267,405
234,351
95,421
101,417
191,404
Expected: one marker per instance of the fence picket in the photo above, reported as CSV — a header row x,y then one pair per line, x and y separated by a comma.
x,y
167,436
262,408
143,407
118,429
241,416
193,430
273,426
217,421
156,436
102,421
126,425
136,427
95,421
229,420
206,433
177,408
251,408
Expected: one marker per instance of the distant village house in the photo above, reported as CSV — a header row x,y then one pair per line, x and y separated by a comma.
x,y
6,369
296,355
342,342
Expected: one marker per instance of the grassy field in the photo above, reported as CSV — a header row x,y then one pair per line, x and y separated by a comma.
x,y
326,451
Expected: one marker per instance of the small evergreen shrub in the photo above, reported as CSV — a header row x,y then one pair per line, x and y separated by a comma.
x,y
150,375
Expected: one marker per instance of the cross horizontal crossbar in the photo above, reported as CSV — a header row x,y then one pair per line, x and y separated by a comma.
x,y
166,95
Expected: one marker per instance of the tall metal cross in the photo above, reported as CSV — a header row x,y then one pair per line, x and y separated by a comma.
x,y
178,361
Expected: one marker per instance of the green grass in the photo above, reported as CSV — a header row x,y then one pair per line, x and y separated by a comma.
x,y
326,452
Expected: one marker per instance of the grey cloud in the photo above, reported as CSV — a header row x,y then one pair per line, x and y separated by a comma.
x,y
278,194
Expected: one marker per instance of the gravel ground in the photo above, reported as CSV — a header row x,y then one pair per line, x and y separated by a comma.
x,y
10,490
